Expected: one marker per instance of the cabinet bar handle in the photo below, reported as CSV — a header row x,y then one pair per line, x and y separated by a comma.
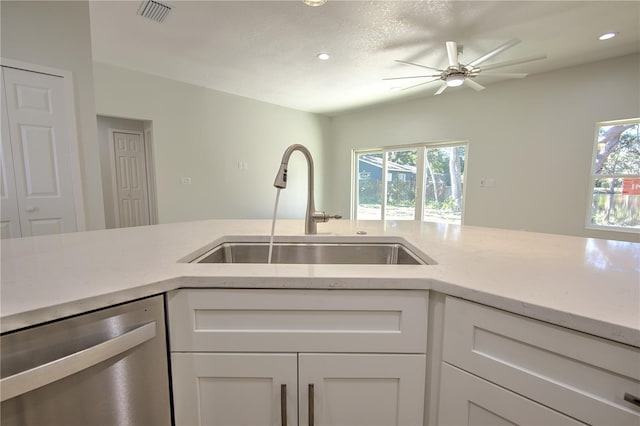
x,y
311,405
632,399
283,405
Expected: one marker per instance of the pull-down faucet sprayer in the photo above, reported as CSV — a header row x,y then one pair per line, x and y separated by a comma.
x,y
312,216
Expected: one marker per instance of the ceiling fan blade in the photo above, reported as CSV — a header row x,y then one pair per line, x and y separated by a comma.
x,y
473,84
441,89
418,65
494,52
506,74
452,53
416,85
513,62
411,76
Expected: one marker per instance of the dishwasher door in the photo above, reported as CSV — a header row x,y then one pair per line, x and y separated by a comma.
x,y
108,367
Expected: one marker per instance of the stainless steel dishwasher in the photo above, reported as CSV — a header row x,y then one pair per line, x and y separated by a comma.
x,y
107,367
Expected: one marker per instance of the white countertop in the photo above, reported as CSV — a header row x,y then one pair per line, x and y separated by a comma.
x,y
588,285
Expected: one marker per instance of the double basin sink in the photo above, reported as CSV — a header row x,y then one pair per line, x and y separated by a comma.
x,y
312,250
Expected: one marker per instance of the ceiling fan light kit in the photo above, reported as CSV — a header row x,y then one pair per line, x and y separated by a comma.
x,y
458,74
314,3
607,36
455,80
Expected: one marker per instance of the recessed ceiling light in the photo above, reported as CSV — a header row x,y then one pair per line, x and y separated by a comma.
x,y
323,56
607,36
314,2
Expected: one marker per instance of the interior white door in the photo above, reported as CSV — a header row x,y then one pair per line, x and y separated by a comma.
x,y
362,389
131,179
9,215
234,389
39,138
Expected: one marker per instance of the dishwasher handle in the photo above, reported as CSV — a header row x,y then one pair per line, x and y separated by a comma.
x,y
44,374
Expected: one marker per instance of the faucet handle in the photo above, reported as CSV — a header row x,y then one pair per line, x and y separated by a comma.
x,y
324,217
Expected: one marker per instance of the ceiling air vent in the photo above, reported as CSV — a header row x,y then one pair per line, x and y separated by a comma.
x,y
154,10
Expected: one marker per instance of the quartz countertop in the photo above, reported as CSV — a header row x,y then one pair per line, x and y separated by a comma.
x,y
589,285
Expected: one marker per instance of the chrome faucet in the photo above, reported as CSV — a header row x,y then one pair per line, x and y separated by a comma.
x,y
312,216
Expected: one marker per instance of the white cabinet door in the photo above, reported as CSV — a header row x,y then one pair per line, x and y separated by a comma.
x,y
469,400
583,376
40,143
234,389
362,389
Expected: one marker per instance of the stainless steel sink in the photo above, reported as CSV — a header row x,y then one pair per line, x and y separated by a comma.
x,y
314,252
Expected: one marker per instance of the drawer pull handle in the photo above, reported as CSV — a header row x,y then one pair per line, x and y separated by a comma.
x,y
283,405
311,405
632,399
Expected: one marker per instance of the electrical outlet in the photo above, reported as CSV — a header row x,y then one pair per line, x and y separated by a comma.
x,y
487,183
185,180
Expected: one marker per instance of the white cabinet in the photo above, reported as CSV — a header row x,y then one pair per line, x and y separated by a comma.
x,y
582,376
298,321
469,400
361,389
235,388
224,389
344,357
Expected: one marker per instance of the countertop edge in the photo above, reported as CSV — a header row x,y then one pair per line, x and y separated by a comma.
x,y
597,328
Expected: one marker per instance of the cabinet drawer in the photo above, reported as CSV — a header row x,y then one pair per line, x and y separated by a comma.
x,y
583,376
468,400
298,320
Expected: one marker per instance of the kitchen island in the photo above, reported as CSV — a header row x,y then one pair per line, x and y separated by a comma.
x,y
589,285
499,324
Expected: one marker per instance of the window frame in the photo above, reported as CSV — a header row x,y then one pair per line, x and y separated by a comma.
x,y
593,177
420,175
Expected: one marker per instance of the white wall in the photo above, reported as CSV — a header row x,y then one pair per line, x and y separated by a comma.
x,y
533,136
57,34
204,134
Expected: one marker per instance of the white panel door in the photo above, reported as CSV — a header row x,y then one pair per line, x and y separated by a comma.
x,y
39,136
467,400
9,215
131,179
234,389
361,390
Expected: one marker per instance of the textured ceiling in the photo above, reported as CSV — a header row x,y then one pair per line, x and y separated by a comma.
x,y
266,50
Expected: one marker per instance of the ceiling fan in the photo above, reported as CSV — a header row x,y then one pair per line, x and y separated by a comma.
x,y
457,74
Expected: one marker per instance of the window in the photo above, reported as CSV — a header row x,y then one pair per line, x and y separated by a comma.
x,y
615,177
422,182
444,173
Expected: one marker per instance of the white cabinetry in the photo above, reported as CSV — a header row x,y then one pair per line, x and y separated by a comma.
x,y
543,369
469,400
361,389
234,388
247,357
